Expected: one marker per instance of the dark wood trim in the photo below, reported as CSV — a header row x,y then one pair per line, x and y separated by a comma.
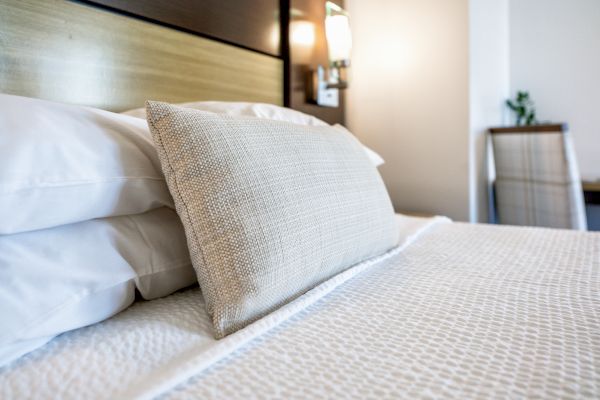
x,y
107,7
284,23
591,197
591,186
549,128
591,192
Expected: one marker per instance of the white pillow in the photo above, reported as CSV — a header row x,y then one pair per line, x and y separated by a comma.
x,y
61,164
260,110
63,278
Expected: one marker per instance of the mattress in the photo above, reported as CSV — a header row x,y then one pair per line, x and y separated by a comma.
x,y
458,311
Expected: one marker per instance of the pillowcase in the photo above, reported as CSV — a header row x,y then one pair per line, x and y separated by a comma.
x,y
61,164
62,278
270,208
244,109
260,110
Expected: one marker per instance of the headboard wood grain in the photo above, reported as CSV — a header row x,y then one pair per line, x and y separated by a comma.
x,y
74,53
251,24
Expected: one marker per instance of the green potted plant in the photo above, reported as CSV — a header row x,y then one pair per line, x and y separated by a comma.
x,y
523,108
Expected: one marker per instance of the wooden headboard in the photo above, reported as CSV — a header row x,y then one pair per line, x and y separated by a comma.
x,y
74,53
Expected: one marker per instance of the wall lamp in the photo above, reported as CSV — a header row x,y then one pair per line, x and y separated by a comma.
x,y
325,83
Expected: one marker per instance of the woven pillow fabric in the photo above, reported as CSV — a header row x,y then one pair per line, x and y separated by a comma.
x,y
270,208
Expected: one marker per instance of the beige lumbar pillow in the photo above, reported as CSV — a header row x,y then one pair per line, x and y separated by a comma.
x,y
270,208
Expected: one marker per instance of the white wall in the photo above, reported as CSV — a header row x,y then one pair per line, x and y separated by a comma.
x,y
555,54
408,98
428,77
489,84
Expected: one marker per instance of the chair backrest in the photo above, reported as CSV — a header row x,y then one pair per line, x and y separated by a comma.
x,y
537,179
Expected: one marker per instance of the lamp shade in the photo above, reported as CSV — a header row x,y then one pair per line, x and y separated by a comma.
x,y
337,31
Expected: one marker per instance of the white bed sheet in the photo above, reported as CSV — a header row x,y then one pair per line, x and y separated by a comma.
x,y
464,311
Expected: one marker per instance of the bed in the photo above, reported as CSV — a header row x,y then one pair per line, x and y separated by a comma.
x,y
459,311
454,311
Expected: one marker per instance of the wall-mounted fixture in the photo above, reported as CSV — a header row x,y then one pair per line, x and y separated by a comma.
x,y
324,84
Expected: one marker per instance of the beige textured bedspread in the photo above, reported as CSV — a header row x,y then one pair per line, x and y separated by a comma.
x,y
466,311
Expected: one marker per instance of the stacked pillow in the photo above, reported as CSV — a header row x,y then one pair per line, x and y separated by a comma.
x,y
62,278
85,219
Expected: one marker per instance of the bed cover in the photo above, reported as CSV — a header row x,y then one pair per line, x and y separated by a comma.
x,y
458,311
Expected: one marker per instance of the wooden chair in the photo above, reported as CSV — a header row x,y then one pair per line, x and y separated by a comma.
x,y
537,180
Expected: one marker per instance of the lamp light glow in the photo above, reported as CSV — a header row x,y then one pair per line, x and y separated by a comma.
x,y
302,33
